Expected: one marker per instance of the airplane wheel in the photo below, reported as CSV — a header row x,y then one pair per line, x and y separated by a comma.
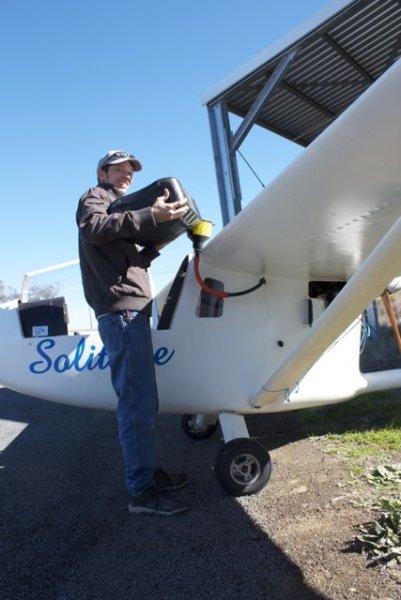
x,y
196,428
242,467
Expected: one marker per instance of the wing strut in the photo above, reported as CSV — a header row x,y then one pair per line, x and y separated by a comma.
x,y
381,266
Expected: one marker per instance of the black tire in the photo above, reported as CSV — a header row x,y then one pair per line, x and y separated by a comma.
x,y
194,431
242,467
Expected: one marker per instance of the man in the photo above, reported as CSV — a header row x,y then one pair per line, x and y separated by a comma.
x,y
116,286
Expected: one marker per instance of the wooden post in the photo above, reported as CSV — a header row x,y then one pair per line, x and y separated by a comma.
x,y
388,305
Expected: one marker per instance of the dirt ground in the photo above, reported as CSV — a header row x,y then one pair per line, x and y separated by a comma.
x,y
64,538
308,510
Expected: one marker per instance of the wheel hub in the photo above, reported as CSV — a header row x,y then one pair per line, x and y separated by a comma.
x,y
245,469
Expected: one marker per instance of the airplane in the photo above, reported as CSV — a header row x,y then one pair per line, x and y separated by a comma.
x,y
266,317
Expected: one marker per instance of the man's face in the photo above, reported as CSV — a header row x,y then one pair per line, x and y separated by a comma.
x,y
119,175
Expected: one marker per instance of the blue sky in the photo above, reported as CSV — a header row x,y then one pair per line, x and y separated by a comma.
x,y
82,76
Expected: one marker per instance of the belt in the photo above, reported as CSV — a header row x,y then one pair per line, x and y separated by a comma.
x,y
128,314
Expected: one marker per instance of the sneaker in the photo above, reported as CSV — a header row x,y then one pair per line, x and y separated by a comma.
x,y
153,502
166,482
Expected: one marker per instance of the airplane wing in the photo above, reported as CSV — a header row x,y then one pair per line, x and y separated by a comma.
x,y
323,215
332,215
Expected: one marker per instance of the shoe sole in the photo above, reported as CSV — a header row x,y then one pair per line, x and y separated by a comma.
x,y
142,510
174,488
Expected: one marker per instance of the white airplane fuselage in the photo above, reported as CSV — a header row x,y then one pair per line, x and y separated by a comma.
x,y
203,364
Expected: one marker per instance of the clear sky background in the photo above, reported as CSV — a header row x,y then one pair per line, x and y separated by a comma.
x,y
80,77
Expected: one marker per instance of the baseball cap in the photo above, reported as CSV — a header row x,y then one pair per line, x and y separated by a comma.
x,y
113,157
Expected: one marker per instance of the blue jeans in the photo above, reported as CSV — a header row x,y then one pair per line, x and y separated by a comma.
x,y
127,339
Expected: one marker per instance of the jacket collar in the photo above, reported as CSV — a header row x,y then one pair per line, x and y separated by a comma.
x,y
110,188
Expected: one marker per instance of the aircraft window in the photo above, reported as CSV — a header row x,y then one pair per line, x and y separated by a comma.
x,y
210,306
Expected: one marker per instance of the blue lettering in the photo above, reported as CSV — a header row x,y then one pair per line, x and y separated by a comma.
x,y
78,355
36,367
102,359
95,360
162,356
62,363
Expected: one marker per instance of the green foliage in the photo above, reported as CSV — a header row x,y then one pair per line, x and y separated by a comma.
x,y
385,476
381,538
363,432
370,411
364,444
369,426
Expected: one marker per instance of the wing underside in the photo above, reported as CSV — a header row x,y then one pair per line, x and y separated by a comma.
x,y
328,210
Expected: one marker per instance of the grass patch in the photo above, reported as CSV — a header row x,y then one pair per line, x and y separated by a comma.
x,y
365,432
359,428
363,444
368,412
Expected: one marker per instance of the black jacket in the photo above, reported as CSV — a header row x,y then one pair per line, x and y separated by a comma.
x,y
113,268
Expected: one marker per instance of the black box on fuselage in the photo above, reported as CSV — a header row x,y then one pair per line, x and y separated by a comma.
x,y
44,318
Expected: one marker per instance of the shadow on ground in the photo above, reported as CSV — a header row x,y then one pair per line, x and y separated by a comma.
x,y
66,533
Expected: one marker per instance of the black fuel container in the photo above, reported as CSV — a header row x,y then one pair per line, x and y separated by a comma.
x,y
169,230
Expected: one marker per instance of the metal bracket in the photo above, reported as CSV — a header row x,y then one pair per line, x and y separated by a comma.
x,y
225,143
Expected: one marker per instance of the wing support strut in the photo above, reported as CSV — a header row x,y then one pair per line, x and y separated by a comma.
x,y
381,266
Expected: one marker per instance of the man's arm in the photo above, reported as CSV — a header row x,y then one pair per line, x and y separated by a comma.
x,y
98,227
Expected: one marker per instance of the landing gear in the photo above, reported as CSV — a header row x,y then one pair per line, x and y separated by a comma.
x,y
199,427
242,467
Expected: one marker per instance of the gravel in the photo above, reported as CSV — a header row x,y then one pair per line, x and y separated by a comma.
x,y
66,533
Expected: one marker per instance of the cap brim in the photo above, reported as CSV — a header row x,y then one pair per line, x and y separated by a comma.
x,y
136,165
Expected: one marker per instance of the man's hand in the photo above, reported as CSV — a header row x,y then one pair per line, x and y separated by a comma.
x,y
168,211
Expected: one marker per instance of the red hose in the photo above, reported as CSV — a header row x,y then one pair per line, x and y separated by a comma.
x,y
203,285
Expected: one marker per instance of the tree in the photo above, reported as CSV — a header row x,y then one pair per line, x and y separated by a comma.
x,y
7,293
35,292
41,292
